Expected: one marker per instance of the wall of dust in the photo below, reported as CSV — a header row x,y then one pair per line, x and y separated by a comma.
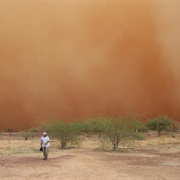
x,y
71,60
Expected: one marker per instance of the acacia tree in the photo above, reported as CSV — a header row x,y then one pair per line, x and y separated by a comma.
x,y
161,123
65,133
117,130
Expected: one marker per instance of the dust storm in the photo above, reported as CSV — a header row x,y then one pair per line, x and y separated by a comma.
x,y
72,60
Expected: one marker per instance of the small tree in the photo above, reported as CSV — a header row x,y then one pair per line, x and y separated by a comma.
x,y
161,123
117,130
65,133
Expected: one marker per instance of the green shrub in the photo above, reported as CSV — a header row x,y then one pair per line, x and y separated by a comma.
x,y
90,126
65,133
117,130
161,123
138,136
78,126
136,123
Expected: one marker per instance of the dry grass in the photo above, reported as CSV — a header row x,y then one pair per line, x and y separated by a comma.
x,y
156,158
32,146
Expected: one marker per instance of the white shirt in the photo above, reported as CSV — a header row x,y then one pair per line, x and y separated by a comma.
x,y
44,140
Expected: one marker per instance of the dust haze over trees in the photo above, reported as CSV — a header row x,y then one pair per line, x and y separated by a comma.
x,y
78,60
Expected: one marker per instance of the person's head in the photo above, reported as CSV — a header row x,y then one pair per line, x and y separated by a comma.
x,y
44,134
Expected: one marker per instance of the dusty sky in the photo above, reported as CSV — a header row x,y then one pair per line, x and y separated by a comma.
x,y
80,59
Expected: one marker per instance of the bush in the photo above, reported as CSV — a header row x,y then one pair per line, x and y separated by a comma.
x,y
114,131
161,123
78,126
96,126
92,126
136,122
117,130
138,136
65,133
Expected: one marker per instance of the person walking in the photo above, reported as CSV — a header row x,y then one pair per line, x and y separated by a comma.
x,y
45,144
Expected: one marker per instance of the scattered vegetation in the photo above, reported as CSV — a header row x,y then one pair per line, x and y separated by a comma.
x,y
94,126
30,133
118,131
112,132
159,124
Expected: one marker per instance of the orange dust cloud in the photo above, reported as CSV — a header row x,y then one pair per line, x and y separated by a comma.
x,y
80,59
